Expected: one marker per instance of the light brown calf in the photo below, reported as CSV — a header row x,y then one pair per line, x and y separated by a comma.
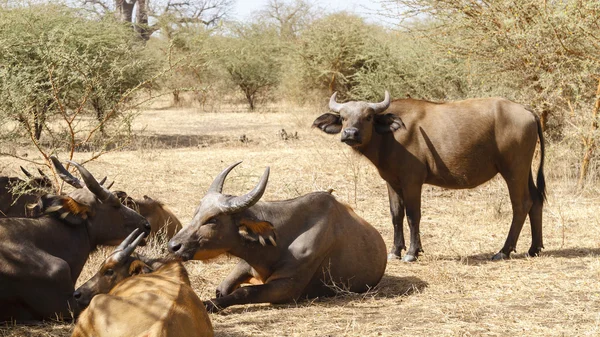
x,y
150,303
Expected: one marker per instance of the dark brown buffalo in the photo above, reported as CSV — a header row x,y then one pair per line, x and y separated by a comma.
x,y
16,193
295,248
161,219
453,145
140,297
41,258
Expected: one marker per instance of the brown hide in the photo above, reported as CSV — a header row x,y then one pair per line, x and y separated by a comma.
x,y
299,248
157,304
16,194
41,258
453,145
161,218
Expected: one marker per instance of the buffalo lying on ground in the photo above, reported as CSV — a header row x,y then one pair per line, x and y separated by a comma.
x,y
304,247
453,145
160,217
134,296
16,193
41,258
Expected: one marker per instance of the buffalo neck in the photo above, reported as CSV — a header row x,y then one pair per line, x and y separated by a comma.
x,y
260,257
70,243
373,149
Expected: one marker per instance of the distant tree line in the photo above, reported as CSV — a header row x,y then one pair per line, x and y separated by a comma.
x,y
93,60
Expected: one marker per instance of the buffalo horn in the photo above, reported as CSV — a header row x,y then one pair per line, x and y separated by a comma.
x,y
64,174
240,203
381,106
26,172
333,105
42,173
92,184
124,250
217,185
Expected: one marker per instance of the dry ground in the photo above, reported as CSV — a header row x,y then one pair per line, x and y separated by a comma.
x,y
454,290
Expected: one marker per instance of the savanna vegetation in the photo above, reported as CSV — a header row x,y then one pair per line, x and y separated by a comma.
x,y
163,95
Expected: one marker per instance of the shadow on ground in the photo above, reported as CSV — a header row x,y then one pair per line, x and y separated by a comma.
x,y
568,253
177,141
389,287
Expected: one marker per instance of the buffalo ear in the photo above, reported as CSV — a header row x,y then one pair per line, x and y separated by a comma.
x,y
65,208
258,230
329,123
138,267
388,123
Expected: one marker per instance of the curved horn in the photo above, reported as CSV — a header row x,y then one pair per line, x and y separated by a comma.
x,y
128,245
217,185
93,185
64,174
238,204
26,172
42,173
381,106
333,105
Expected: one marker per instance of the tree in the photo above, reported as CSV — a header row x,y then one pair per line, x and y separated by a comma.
x,y
163,15
251,57
56,70
289,18
334,50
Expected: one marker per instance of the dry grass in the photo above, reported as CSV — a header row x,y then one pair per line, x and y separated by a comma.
x,y
454,290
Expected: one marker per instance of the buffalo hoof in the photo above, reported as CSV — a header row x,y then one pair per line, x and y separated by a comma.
x,y
392,256
534,252
409,258
211,306
500,256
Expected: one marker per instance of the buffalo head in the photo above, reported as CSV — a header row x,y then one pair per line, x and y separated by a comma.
x,y
93,206
222,222
41,183
356,120
117,267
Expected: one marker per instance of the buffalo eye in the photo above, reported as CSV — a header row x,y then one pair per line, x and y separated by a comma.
x,y
369,118
343,119
211,221
109,272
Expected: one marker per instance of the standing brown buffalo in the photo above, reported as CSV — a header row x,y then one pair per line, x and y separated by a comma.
x,y
160,216
294,248
41,258
453,145
140,297
16,194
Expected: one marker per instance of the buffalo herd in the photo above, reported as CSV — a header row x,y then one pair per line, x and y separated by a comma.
x,y
306,247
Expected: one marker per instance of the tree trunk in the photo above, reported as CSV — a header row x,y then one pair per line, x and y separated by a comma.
x,y
250,99
125,10
38,123
589,142
141,20
99,114
39,118
176,98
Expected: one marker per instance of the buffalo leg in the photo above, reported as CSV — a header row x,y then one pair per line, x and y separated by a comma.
x,y
397,211
412,201
535,217
276,291
521,204
240,274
